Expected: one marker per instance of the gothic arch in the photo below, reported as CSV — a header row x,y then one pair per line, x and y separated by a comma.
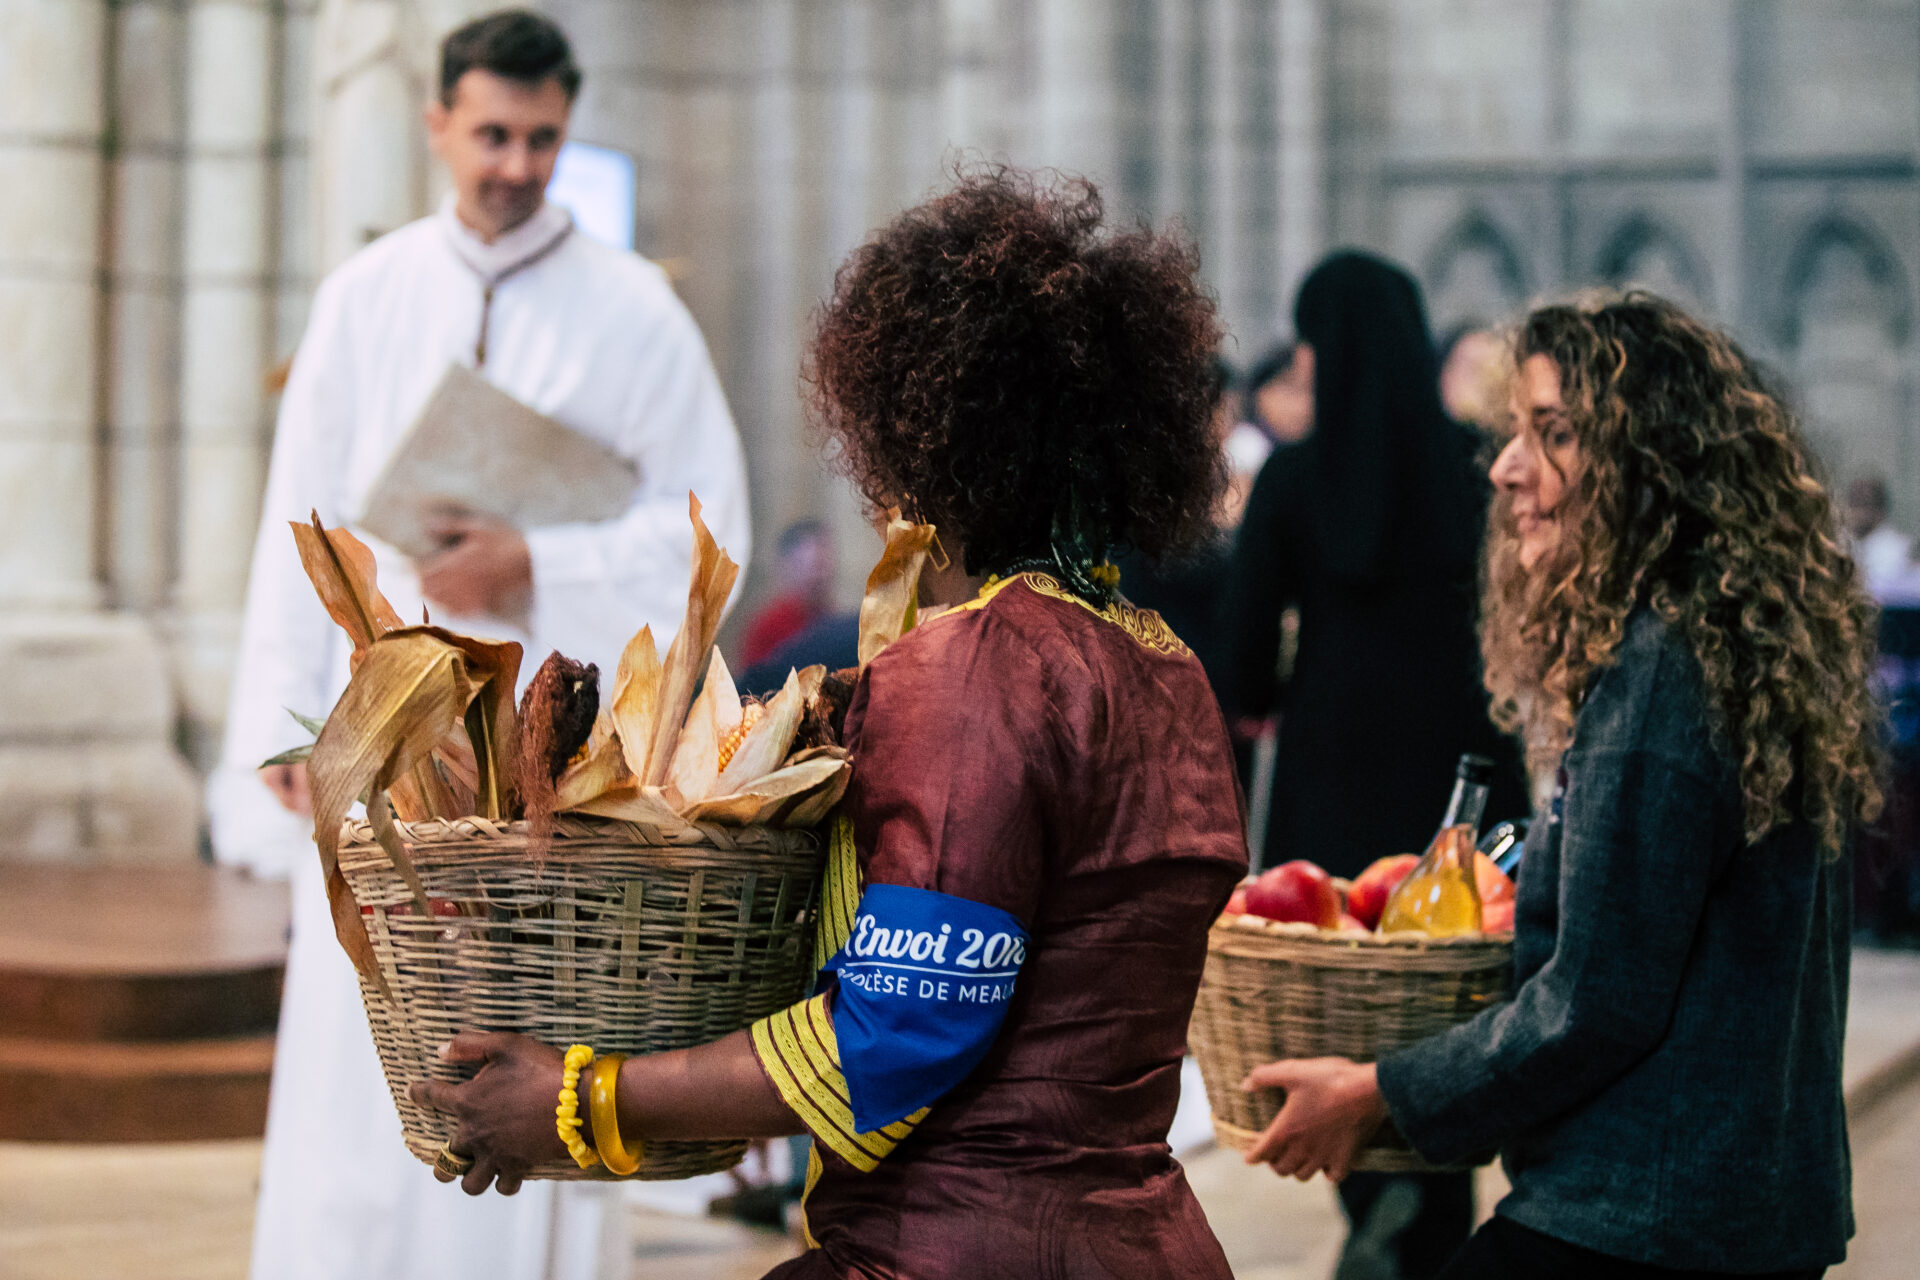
x,y
1475,244
1835,240
1638,251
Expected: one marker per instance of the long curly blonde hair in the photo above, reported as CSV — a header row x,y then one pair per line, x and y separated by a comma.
x,y
1694,495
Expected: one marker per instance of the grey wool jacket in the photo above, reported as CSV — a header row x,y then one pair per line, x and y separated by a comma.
x,y
1664,1086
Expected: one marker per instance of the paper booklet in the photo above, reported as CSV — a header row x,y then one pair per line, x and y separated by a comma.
x,y
473,447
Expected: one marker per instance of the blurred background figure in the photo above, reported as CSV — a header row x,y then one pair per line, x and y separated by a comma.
x,y
800,627
1280,394
1372,526
1884,553
497,281
806,566
1189,594
1474,375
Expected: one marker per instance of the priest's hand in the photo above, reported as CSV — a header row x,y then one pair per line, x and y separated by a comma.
x,y
1332,1107
505,1113
288,782
482,569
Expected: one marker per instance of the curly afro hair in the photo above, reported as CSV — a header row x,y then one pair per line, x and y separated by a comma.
x,y
998,367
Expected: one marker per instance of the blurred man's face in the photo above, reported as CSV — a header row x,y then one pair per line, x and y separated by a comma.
x,y
809,567
1864,508
1285,404
499,140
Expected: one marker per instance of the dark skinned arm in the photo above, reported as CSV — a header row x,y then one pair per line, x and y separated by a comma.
x,y
505,1113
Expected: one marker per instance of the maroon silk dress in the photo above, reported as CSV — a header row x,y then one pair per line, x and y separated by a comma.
x,y
1067,765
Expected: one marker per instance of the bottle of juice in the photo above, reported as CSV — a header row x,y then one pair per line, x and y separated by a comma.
x,y
1438,896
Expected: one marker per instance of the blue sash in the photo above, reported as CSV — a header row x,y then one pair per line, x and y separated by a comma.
x,y
922,987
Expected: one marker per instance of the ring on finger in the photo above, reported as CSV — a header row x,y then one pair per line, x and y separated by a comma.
x,y
450,1163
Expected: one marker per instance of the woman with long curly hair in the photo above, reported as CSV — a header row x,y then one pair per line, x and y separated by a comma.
x,y
1042,820
1673,624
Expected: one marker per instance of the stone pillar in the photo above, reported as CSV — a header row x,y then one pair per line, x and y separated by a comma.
x,y
1224,105
226,337
369,159
86,773
143,302
52,117
1301,171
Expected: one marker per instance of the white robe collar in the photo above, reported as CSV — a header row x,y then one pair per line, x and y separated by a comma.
x,y
530,240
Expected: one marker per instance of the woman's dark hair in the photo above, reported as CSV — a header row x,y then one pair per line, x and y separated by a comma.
x,y
1002,368
515,44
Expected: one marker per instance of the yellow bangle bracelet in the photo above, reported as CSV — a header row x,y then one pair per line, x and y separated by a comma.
x,y
620,1159
568,1112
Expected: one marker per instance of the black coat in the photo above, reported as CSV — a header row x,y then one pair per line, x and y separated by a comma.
x,y
1385,693
1372,527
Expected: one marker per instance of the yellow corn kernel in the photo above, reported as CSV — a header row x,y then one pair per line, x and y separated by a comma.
x,y
749,716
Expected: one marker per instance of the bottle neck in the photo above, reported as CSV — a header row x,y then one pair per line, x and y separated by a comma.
x,y
1469,802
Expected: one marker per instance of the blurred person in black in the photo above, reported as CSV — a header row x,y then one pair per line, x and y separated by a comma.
x,y
1189,593
1371,526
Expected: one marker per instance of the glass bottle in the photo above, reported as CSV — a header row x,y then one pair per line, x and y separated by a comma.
x,y
1439,896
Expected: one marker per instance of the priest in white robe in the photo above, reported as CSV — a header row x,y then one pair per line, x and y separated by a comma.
x,y
500,281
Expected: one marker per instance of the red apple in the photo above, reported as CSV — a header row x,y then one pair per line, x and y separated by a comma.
x,y
1298,891
1497,917
1237,904
1371,891
1348,922
1493,883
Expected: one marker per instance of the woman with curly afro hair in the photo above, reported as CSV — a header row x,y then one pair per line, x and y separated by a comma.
x,y
1042,820
1675,629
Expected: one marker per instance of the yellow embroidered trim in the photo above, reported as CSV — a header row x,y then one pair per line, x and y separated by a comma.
x,y
767,1048
993,587
1144,625
801,1055
839,896
820,1023
814,1170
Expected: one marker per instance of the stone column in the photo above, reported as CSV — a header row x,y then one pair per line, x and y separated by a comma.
x,y
1224,104
141,369
86,708
52,117
1301,171
369,157
226,336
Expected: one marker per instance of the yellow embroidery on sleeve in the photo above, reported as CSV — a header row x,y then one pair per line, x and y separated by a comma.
x,y
801,1056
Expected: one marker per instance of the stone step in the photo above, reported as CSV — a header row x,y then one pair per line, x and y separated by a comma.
x,y
137,1004
95,1091
139,1007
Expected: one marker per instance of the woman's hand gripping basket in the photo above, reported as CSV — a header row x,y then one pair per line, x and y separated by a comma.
x,y
629,936
1273,991
634,872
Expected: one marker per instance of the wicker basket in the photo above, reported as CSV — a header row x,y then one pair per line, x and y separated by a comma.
x,y
625,936
1273,991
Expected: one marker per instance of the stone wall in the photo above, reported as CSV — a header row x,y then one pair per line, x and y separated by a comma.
x,y
180,172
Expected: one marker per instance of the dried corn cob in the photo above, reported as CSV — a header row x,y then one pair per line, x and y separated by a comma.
x,y
749,716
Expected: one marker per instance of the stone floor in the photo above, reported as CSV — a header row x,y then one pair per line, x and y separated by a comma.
x,y
183,1211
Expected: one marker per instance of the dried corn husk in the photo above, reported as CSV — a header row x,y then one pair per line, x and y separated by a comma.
x,y
696,758
636,700
768,742
777,798
707,592
634,804
598,769
342,571
893,588
411,684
